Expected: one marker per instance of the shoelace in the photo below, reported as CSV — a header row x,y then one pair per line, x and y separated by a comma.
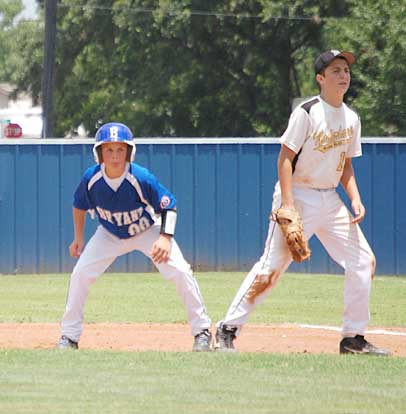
x,y
203,337
228,336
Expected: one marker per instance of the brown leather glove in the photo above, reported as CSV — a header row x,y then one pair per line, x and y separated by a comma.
x,y
291,227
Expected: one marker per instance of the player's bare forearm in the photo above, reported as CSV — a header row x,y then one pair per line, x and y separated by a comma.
x,y
285,160
161,249
348,181
79,220
349,184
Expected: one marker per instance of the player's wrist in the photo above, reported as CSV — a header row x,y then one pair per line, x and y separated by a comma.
x,y
288,203
168,222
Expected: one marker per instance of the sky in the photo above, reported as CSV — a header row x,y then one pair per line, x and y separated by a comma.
x,y
30,9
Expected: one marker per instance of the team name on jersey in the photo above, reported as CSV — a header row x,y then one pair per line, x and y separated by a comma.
x,y
126,218
324,142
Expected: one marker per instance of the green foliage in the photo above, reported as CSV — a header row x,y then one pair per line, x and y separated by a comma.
x,y
223,71
21,50
8,11
25,60
205,68
376,32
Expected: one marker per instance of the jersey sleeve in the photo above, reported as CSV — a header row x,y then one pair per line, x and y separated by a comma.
x,y
354,148
80,198
297,130
158,196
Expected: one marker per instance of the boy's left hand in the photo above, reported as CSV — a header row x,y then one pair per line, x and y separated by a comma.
x,y
161,249
359,211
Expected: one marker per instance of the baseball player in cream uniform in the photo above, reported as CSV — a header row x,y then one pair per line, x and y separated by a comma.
x,y
322,137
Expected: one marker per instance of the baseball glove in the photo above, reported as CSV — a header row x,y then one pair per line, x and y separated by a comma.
x,y
291,227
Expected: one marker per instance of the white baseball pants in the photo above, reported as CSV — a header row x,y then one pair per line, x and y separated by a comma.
x,y
100,252
324,215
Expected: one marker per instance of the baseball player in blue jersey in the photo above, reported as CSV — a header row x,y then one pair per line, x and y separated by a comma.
x,y
135,212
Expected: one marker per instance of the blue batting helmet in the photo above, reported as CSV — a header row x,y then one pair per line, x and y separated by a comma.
x,y
113,132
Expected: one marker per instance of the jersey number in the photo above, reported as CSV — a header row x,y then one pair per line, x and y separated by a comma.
x,y
341,163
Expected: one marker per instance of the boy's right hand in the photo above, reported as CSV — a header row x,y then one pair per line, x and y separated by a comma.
x,y
76,248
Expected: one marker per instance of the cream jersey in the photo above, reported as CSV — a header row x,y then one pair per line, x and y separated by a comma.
x,y
322,136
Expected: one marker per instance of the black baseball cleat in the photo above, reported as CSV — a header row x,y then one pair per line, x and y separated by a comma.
x,y
202,342
224,338
359,345
66,343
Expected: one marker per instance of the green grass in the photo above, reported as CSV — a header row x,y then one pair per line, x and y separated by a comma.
x,y
48,381
151,382
303,298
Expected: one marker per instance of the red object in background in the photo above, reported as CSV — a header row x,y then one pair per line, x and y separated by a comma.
x,y
13,131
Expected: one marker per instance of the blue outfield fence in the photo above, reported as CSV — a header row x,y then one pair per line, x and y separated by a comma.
x,y
224,190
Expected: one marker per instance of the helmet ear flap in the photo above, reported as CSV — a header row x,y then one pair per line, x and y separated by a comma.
x,y
129,157
99,156
132,149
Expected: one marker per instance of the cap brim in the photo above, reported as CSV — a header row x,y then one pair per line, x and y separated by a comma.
x,y
348,56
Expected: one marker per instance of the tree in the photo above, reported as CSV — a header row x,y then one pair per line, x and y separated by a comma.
x,y
377,34
20,50
209,68
186,68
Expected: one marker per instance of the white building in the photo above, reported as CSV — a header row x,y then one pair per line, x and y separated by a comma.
x,y
19,111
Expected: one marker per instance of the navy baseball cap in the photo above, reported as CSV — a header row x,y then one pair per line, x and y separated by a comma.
x,y
327,57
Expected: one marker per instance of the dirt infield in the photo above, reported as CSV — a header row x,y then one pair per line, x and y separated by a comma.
x,y
176,337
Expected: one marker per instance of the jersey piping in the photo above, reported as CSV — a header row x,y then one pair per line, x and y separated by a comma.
x,y
94,180
134,182
307,105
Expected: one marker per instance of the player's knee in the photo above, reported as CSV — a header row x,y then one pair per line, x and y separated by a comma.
x,y
370,263
176,271
85,277
365,267
263,282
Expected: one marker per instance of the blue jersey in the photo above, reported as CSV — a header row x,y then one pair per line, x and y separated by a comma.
x,y
130,210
